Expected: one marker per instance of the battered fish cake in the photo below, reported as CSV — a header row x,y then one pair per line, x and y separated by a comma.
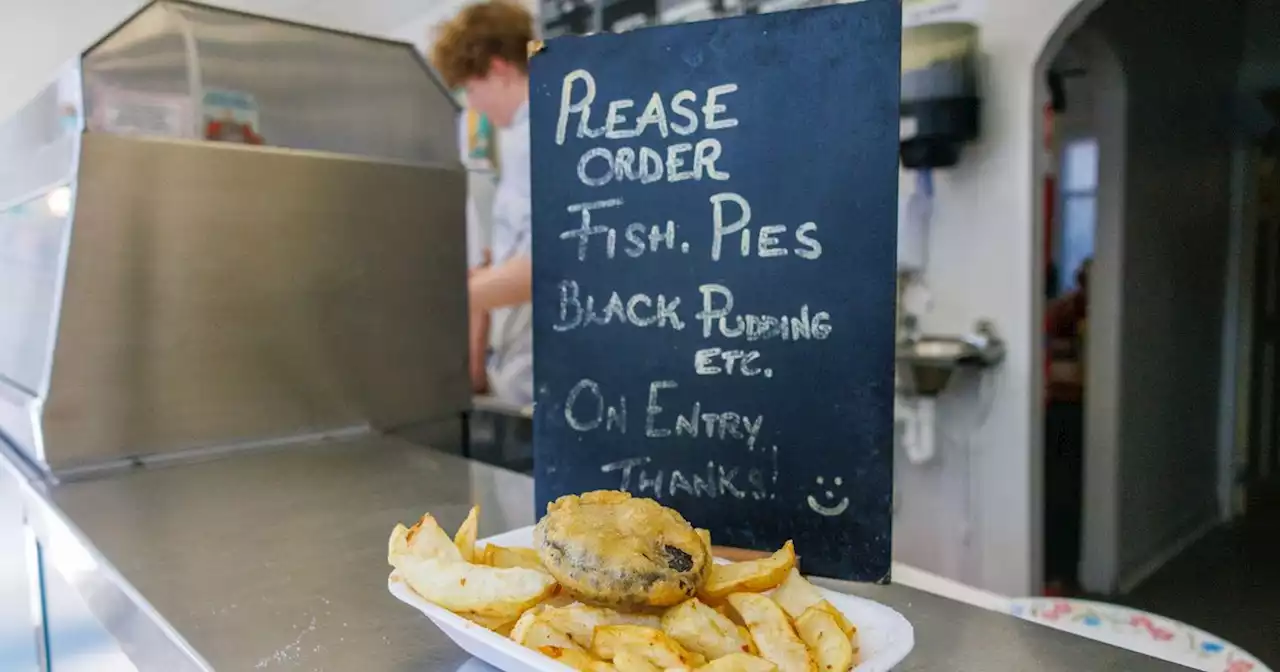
x,y
610,549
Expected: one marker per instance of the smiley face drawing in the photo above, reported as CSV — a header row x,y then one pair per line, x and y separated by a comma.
x,y
823,510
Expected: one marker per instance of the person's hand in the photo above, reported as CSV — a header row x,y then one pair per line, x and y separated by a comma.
x,y
486,260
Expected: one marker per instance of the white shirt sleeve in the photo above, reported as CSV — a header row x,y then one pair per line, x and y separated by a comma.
x,y
513,203
475,238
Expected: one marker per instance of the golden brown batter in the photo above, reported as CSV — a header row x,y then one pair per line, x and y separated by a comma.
x,y
611,549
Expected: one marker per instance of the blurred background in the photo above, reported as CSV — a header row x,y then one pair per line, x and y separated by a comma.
x,y
1089,274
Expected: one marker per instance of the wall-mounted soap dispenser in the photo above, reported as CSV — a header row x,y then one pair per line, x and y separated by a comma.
x,y
940,103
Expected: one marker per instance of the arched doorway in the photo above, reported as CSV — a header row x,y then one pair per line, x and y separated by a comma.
x,y
1084,155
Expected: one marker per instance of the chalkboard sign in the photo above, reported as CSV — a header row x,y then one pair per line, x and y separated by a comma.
x,y
714,240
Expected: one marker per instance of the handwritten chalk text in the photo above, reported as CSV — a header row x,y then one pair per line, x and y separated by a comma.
x,y
679,161
717,309
639,237
585,409
767,243
639,310
717,481
659,424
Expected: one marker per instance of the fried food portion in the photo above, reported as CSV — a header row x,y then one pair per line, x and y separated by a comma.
x,y
468,589
501,556
465,538
796,595
739,662
499,624
832,651
580,621
638,564
773,633
430,563
752,576
610,549
649,643
628,661
426,539
552,643
704,630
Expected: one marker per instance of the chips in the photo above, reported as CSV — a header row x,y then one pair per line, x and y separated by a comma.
x,y
580,621
433,566
649,643
832,649
773,632
465,538
555,644
499,556
705,535
739,662
468,589
753,576
704,630
796,595
735,625
424,540
626,661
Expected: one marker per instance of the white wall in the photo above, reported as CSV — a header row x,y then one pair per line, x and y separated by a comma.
x,y
37,38
985,263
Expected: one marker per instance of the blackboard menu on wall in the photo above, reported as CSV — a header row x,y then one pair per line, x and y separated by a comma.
x,y
714,222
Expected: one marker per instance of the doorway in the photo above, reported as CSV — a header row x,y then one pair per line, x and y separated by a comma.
x,y
1262,471
1178,405
1083,229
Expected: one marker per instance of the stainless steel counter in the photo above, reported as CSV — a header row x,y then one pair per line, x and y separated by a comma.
x,y
276,560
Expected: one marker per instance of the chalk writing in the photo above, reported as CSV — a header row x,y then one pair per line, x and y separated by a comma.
x,y
717,309
718,480
713,275
725,425
678,162
593,410
639,310
764,242
824,509
767,244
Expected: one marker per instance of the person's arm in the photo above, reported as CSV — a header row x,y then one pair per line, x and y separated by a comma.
x,y
479,336
507,284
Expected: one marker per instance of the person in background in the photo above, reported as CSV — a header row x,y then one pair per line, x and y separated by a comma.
x,y
483,51
477,255
1066,318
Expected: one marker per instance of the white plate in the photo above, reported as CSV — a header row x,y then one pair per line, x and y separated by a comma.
x,y
884,635
1153,635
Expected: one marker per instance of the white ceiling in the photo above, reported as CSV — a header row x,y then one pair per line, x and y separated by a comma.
x,y
39,36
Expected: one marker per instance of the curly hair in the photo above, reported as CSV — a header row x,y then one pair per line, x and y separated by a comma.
x,y
466,44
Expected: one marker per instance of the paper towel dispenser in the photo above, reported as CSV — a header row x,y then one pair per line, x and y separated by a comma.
x,y
940,103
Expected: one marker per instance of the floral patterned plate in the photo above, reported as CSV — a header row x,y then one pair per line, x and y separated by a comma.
x,y
1156,636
